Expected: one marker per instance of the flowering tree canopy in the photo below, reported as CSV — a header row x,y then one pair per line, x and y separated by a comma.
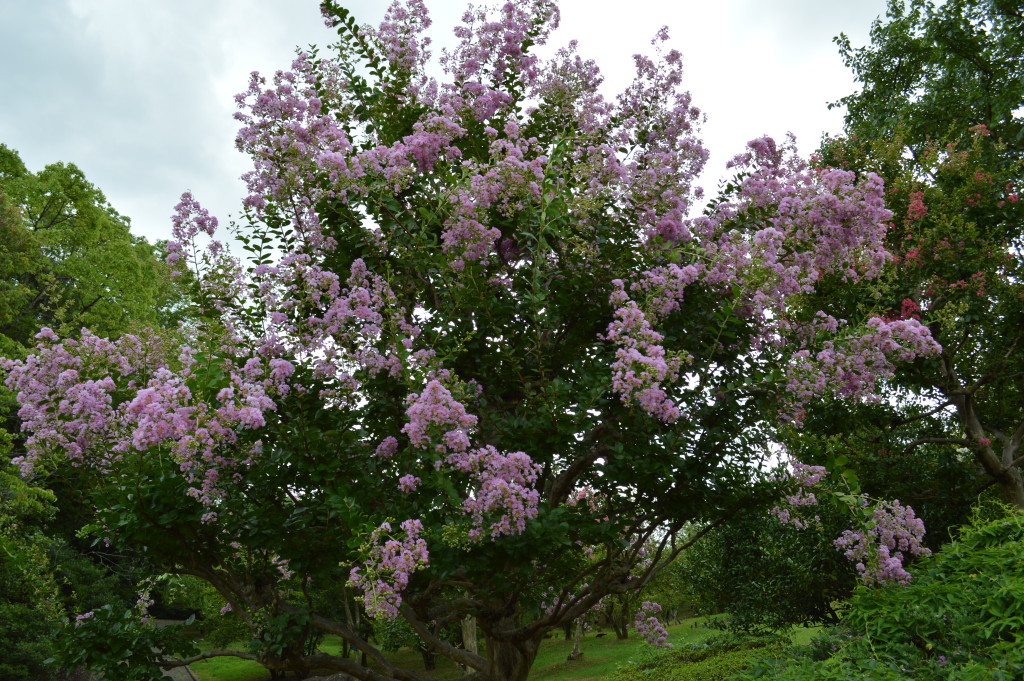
x,y
466,301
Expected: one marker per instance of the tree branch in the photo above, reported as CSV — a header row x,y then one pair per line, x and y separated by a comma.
x,y
937,440
460,655
171,664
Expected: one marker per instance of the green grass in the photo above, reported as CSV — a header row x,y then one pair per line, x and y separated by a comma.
x,y
227,668
601,656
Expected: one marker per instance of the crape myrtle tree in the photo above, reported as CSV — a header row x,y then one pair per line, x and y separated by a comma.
x,y
940,116
467,301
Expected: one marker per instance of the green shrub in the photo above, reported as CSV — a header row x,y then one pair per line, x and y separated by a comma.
x,y
962,617
719,658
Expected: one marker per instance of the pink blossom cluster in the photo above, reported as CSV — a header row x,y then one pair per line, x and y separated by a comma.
x,y
386,572
507,183
503,483
783,228
294,142
852,366
916,210
649,626
788,225
436,417
189,220
658,174
642,365
66,394
316,315
291,137
401,36
489,50
221,280
803,477
879,550
584,495
96,402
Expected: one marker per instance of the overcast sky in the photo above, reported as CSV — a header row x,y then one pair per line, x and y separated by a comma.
x,y
139,93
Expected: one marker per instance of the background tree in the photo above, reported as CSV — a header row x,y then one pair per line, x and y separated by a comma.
x,y
764,575
939,116
69,260
468,303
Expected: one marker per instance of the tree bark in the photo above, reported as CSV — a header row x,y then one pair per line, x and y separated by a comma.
x,y
469,634
508,660
577,639
1003,467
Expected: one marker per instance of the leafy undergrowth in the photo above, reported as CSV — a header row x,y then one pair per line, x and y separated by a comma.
x,y
960,619
717,658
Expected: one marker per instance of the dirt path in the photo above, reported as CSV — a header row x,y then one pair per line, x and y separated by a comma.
x,y
180,674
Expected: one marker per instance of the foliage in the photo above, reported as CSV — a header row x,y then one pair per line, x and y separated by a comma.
x,y
67,260
959,619
935,70
468,305
118,643
767,576
30,607
939,117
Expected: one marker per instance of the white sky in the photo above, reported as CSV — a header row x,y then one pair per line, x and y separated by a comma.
x,y
139,93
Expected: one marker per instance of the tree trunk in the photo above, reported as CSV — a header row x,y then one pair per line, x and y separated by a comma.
x,y
620,624
1012,483
1000,465
509,660
469,634
429,658
577,639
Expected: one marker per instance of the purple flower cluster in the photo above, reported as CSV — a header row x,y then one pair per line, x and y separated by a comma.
x,y
649,626
804,478
785,228
434,411
852,366
642,365
501,483
387,570
878,547
67,391
292,140
879,550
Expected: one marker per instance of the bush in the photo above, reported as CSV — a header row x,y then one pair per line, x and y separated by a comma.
x,y
961,618
719,658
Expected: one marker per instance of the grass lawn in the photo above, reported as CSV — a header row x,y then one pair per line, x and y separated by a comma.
x,y
601,656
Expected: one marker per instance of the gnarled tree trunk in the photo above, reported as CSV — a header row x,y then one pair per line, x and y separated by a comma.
x,y
509,660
